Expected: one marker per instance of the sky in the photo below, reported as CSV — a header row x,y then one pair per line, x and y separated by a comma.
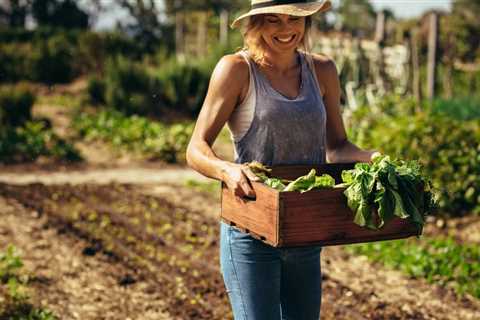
x,y
410,8
400,8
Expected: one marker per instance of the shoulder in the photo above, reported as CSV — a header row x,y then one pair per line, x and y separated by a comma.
x,y
326,71
232,74
324,65
232,66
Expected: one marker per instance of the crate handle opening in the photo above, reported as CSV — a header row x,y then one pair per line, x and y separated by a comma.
x,y
246,198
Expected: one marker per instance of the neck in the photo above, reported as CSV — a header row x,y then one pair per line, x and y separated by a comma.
x,y
282,62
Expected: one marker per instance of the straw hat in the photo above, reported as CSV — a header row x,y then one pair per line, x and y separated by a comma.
x,y
290,7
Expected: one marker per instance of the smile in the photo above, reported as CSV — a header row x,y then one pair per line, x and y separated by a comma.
x,y
285,40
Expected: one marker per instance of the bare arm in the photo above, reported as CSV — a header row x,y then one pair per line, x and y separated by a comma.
x,y
339,148
224,91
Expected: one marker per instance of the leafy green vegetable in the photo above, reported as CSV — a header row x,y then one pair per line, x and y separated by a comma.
x,y
310,181
386,188
303,184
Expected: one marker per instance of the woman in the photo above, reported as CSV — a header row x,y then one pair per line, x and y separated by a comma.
x,y
282,107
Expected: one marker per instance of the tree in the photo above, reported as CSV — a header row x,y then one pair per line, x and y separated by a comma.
x,y
55,13
356,17
13,13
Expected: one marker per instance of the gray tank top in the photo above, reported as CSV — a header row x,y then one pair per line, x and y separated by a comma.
x,y
284,130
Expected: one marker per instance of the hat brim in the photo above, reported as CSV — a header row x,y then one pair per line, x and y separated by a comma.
x,y
296,9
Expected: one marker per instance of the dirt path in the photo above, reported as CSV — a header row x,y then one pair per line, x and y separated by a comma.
x,y
128,174
353,287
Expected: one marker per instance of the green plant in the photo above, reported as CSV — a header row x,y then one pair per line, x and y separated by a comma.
x,y
28,142
16,306
136,133
438,260
15,105
392,187
52,61
129,88
96,90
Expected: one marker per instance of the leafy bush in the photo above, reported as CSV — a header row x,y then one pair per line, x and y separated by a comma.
x,y
449,149
183,86
94,49
56,55
28,142
158,141
15,62
136,88
96,90
467,108
15,105
440,261
52,61
129,88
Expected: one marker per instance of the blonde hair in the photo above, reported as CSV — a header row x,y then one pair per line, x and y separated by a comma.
x,y
254,43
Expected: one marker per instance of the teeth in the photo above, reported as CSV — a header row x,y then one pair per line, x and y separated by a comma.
x,y
285,39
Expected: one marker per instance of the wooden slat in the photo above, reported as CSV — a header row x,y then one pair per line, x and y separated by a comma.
x,y
322,217
259,216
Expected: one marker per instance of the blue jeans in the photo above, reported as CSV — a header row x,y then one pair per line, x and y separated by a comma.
x,y
267,283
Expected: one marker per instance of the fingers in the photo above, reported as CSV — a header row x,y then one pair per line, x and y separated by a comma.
x,y
250,175
246,190
243,187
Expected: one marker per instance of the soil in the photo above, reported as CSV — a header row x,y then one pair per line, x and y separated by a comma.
x,y
82,267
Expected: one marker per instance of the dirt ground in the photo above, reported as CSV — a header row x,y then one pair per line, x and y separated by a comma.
x,y
79,278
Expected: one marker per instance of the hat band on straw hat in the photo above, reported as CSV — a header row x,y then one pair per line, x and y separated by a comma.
x,y
301,8
275,3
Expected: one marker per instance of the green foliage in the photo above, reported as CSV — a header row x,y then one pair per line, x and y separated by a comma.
x,y
390,188
439,261
310,181
13,286
183,85
458,108
15,105
33,139
129,88
135,88
63,14
96,90
10,263
158,141
357,17
55,55
447,148
95,48
48,60
15,61
52,61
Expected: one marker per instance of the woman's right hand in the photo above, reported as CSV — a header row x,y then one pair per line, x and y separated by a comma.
x,y
237,177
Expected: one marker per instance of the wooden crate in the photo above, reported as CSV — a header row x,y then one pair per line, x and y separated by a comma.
x,y
320,217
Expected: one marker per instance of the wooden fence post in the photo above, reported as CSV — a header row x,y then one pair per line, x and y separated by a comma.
x,y
223,38
415,67
432,55
179,32
202,33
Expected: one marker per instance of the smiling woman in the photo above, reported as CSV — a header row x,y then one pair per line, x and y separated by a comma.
x,y
255,43
281,104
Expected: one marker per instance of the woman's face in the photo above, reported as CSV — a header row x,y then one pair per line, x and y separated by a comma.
x,y
282,32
